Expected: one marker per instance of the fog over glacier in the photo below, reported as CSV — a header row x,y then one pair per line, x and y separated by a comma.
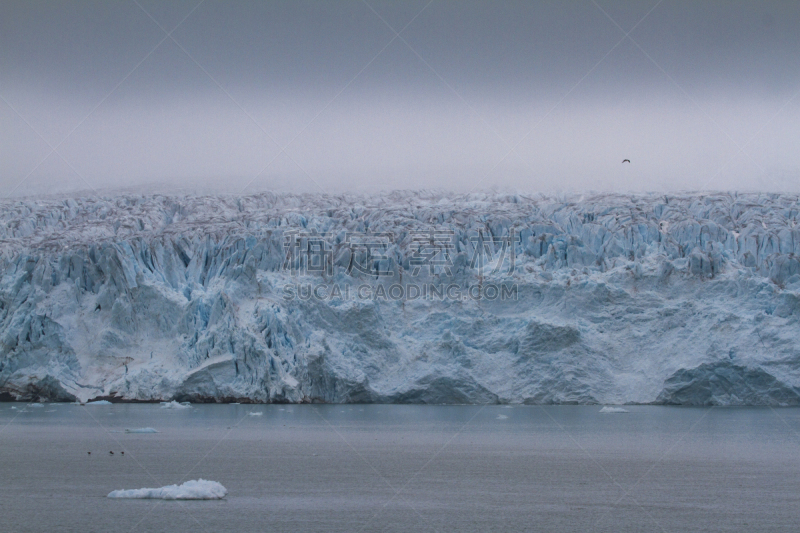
x,y
607,298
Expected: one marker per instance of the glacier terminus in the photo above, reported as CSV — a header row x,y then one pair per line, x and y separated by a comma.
x,y
402,297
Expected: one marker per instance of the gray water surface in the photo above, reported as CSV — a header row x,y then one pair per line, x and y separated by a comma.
x,y
403,468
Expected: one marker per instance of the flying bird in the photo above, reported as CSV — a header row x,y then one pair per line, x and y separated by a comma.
x,y
626,160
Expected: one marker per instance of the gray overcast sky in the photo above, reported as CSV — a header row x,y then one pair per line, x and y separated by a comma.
x,y
524,95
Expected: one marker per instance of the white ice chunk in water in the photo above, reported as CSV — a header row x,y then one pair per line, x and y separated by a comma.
x,y
99,402
36,405
502,417
141,430
259,413
196,489
175,405
608,409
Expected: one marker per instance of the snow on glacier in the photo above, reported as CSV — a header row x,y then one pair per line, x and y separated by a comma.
x,y
196,489
679,298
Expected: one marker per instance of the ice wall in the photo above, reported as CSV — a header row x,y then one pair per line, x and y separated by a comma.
x,y
684,298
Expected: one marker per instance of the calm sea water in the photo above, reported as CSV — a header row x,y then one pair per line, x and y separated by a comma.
x,y
354,468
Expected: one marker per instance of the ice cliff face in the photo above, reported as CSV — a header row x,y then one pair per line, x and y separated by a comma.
x,y
686,299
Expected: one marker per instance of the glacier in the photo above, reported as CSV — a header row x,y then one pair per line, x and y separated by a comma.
x,y
684,299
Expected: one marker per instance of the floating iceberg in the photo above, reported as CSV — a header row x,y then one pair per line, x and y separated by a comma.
x,y
141,430
690,299
196,489
99,402
175,405
608,409
259,413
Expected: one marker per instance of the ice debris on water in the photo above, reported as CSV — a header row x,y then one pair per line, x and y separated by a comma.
x,y
196,489
175,405
608,409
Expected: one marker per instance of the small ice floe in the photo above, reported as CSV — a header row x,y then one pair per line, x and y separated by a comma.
x,y
608,409
141,430
175,405
99,402
14,407
259,413
37,404
502,417
196,489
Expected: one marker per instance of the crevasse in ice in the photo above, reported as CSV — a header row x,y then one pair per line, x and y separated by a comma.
x,y
667,298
